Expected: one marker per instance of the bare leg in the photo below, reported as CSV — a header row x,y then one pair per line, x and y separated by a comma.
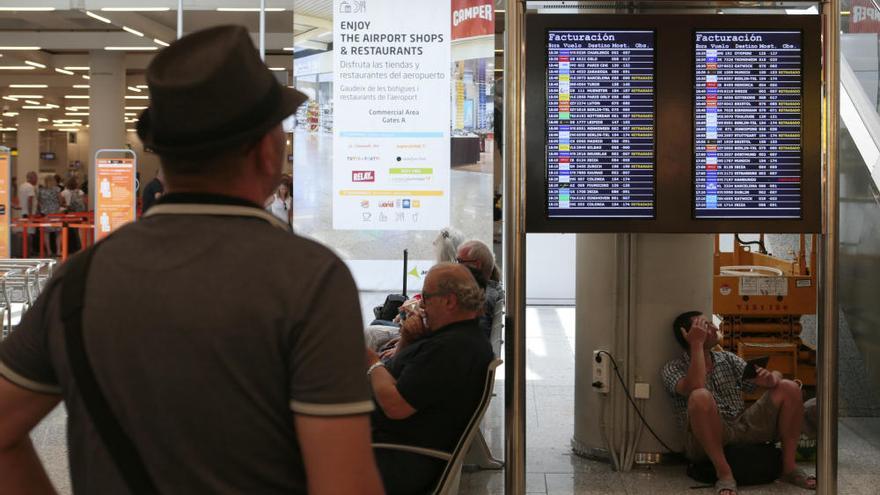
x,y
706,425
787,397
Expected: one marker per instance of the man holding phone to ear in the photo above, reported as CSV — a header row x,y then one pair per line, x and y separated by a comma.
x,y
706,387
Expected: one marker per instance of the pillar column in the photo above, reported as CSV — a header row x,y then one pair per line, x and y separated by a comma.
x,y
28,144
106,106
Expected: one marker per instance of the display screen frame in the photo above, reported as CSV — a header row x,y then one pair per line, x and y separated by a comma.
x,y
694,123
654,132
674,177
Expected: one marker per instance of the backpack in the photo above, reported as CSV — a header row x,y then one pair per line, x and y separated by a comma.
x,y
751,465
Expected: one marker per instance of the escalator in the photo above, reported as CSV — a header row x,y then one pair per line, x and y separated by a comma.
x,y
859,266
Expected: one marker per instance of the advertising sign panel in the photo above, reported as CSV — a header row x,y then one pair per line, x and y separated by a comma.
x,y
5,203
115,197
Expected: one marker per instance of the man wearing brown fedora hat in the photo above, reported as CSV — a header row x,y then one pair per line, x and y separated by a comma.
x,y
206,348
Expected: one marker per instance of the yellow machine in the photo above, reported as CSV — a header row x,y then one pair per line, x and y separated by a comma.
x,y
760,299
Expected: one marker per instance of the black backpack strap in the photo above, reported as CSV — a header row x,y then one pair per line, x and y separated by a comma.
x,y
119,446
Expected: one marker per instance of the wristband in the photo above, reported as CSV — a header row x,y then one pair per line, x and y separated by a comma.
x,y
377,364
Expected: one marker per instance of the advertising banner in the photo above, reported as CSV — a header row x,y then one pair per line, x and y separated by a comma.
x,y
471,18
5,203
865,17
115,198
391,136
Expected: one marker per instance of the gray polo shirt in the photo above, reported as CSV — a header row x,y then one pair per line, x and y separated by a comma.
x,y
206,333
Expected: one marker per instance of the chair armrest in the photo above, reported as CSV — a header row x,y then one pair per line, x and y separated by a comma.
x,y
437,454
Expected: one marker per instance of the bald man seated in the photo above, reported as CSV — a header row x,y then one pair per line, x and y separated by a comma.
x,y
428,392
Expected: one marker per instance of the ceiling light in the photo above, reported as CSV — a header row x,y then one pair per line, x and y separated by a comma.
x,y
9,98
86,77
16,67
29,86
249,9
77,114
135,108
76,67
133,31
32,102
41,129
137,97
42,119
81,86
142,86
26,96
68,129
51,105
131,130
130,114
96,16
132,88
36,107
35,64
76,108
277,69
63,71
131,48
77,97
135,9
10,114
8,129
23,48
27,9
160,42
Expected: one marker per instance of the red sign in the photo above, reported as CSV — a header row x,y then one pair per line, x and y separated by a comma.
x,y
363,176
864,17
472,18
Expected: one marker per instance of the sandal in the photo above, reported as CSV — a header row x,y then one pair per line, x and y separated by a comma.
x,y
799,478
722,485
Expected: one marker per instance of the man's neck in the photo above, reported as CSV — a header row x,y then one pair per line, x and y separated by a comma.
x,y
452,319
252,194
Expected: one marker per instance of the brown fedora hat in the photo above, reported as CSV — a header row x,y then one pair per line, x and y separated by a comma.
x,y
210,91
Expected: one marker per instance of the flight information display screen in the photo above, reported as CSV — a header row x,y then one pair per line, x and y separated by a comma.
x,y
600,144
748,111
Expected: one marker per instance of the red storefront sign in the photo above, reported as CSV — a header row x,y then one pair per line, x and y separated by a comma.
x,y
864,17
471,18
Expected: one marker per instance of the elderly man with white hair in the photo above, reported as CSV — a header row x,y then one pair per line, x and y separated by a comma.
x,y
478,258
428,392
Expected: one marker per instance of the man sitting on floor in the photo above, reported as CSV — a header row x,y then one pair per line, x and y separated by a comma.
x,y
431,388
706,387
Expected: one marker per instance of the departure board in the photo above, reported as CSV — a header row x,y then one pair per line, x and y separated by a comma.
x,y
748,114
600,149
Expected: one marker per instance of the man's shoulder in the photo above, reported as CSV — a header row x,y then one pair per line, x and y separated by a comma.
x,y
677,363
727,357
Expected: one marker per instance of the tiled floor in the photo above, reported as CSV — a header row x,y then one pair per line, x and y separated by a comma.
x,y
551,467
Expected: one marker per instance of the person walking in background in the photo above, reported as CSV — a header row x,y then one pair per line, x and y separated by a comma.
x,y
73,201
280,203
49,203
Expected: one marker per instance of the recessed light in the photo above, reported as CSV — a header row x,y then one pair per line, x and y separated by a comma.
x,y
132,88
63,71
42,119
9,98
135,9
133,31
32,102
22,48
36,107
130,48
29,86
86,77
135,108
35,64
160,42
142,86
137,97
8,129
277,69
10,114
96,16
77,97
76,67
249,9
77,114
81,86
26,96
27,9
16,67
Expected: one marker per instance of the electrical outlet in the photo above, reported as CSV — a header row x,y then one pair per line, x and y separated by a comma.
x,y
601,370
642,391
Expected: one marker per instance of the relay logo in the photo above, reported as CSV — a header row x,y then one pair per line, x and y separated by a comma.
x,y
363,176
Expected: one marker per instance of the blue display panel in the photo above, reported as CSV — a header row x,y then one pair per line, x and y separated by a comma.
x,y
748,114
600,148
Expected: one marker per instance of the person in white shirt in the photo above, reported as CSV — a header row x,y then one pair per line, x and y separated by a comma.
x,y
280,203
27,201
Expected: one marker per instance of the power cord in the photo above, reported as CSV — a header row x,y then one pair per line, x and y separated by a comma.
x,y
633,402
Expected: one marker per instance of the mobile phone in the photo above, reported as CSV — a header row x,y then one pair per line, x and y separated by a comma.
x,y
752,365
